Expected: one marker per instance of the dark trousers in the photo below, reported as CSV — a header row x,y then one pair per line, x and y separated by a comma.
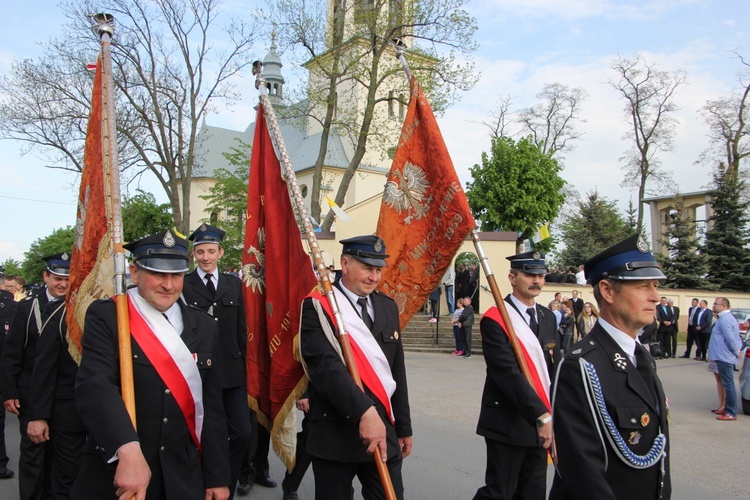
x,y
514,472
34,464
458,334
239,429
692,337
703,344
302,461
3,452
467,340
256,462
668,341
67,454
333,480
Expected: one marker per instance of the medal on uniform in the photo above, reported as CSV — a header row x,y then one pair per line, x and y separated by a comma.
x,y
395,335
645,419
634,438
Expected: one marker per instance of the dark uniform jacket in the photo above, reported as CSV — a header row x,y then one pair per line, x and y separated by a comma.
x,y
52,392
336,403
20,347
177,471
228,311
587,466
510,406
7,310
547,335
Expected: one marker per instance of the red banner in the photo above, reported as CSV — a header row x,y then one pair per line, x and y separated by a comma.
x,y
424,215
277,274
91,268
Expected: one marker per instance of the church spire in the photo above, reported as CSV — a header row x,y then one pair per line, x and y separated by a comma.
x,y
272,73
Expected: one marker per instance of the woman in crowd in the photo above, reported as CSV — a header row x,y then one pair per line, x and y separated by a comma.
x,y
458,332
587,319
567,324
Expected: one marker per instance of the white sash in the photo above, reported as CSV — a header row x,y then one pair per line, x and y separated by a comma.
x,y
531,343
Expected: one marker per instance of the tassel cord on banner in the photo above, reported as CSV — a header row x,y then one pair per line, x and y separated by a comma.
x,y
320,266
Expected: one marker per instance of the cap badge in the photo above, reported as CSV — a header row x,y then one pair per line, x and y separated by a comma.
x,y
168,239
634,438
64,256
203,227
537,255
395,335
642,245
378,246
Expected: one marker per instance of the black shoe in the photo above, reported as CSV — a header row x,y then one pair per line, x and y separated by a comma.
x,y
290,495
244,488
6,473
684,356
265,481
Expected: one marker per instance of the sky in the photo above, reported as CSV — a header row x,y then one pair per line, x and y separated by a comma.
x,y
523,45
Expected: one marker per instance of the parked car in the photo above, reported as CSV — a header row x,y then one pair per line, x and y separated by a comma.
x,y
741,314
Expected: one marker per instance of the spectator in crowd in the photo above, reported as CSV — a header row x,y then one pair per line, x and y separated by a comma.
x,y
587,319
703,328
580,276
448,279
466,322
724,349
666,328
554,306
20,293
458,333
692,336
434,299
567,326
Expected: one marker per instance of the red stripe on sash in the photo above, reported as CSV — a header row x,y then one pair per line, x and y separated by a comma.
x,y
494,314
366,372
166,367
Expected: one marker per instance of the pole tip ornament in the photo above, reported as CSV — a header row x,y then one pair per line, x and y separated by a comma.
x,y
257,70
104,23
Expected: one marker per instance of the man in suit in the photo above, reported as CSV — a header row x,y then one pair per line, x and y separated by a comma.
x,y
628,457
703,329
691,332
466,323
347,424
17,366
515,417
666,327
676,325
724,349
180,449
220,295
53,415
7,309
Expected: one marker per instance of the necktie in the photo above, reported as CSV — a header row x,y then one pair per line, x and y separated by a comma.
x,y
532,321
644,369
210,284
362,302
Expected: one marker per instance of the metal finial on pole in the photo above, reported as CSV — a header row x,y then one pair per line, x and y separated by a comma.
x,y
104,24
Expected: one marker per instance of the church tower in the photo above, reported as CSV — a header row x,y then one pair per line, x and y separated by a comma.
x,y
272,73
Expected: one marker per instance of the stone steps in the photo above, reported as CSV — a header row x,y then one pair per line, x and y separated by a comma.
x,y
419,335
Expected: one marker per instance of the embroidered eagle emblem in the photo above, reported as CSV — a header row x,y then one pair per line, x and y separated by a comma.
x,y
406,192
254,271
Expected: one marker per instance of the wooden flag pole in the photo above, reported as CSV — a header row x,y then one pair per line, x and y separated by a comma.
x,y
483,260
105,29
322,271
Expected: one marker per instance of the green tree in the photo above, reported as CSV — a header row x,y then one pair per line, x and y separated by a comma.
x,y
61,240
595,226
726,240
12,266
516,188
684,265
228,200
141,216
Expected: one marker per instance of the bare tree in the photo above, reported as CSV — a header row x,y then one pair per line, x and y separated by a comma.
x,y
728,122
171,64
649,108
552,121
501,116
349,51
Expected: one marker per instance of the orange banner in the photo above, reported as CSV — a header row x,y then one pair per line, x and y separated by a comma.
x,y
424,215
91,267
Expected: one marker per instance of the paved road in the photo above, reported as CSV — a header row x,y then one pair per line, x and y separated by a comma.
x,y
709,458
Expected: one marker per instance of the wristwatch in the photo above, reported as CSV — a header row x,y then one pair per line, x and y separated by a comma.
x,y
542,421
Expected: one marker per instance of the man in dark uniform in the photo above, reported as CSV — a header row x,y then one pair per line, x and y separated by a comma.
x,y
17,366
53,415
527,281
180,449
515,419
346,425
7,309
611,415
220,295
